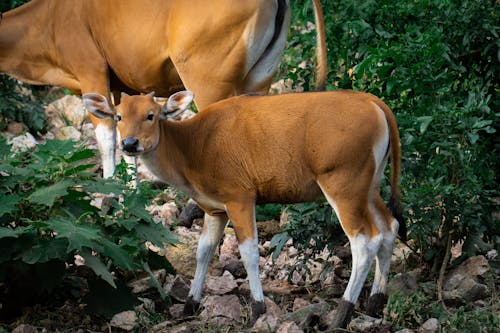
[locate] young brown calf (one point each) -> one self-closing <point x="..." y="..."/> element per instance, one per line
<point x="285" y="148"/>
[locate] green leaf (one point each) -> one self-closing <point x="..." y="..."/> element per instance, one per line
<point x="120" y="256"/>
<point x="278" y="242"/>
<point x="46" y="250"/>
<point x="47" y="195"/>
<point x="98" y="267"/>
<point x="156" y="234"/>
<point x="78" y="234"/>
<point x="9" y="203"/>
<point x="14" y="233"/>
<point x="154" y="281"/>
<point x="105" y="186"/>
<point x="424" y="123"/>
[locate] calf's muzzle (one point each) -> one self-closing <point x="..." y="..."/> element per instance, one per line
<point x="130" y="145"/>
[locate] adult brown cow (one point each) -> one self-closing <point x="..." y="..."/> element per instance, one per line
<point x="217" y="48"/>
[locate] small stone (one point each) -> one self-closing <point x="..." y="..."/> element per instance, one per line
<point x="22" y="142"/>
<point x="266" y="323"/>
<point x="177" y="311"/>
<point x="289" y="327"/>
<point x="430" y="326"/>
<point x="227" y="306"/>
<point x="364" y="323"/>
<point x="68" y="133"/>
<point x="125" y="320"/>
<point x="220" y="285"/>
<point x="23" y="328"/>
<point x="299" y="303"/>
<point x="177" y="288"/>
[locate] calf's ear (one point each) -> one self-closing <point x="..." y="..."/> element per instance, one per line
<point x="98" y="105"/>
<point x="176" y="104"/>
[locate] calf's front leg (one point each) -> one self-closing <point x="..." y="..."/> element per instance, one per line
<point x="213" y="229"/>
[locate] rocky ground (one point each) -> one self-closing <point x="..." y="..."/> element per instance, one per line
<point x="297" y="301"/>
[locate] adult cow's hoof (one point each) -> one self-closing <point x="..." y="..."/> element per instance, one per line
<point x="344" y="314"/>
<point x="190" y="212"/>
<point x="191" y="307"/>
<point x="375" y="305"/>
<point x="258" y="308"/>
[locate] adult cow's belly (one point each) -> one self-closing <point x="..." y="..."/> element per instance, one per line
<point x="158" y="75"/>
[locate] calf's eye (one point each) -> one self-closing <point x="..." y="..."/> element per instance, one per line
<point x="118" y="117"/>
<point x="150" y="116"/>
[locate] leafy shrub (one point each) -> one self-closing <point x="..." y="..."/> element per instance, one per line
<point x="18" y="103"/>
<point x="413" y="310"/>
<point x="47" y="217"/>
<point x="435" y="64"/>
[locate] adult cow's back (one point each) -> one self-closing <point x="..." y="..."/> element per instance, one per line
<point x="216" y="48"/>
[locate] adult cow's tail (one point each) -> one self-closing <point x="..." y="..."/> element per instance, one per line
<point x="321" y="60"/>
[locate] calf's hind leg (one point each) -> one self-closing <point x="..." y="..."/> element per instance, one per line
<point x="378" y="294"/>
<point x="365" y="240"/>
<point x="242" y="214"/>
<point x="213" y="229"/>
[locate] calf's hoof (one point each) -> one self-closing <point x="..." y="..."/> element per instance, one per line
<point x="375" y="305"/>
<point x="344" y="314"/>
<point x="258" y="308"/>
<point x="191" y="306"/>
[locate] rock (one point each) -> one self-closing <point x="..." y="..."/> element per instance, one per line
<point x="164" y="326"/>
<point x="68" y="133"/>
<point x="308" y="314"/>
<point x="473" y="267"/>
<point x="67" y="110"/>
<point x="177" y="311"/>
<point x="233" y="265"/>
<point x="176" y="287"/>
<point x="183" y="256"/>
<point x="364" y="323"/>
<point x="22" y="142"/>
<point x="23" y="328"/>
<point x="142" y="284"/>
<point x="289" y="327"/>
<point x="403" y="283"/>
<point x="405" y="330"/>
<point x="230" y="243"/>
<point x="430" y="326"/>
<point x="267" y="229"/>
<point x="272" y="308"/>
<point x="266" y="323"/>
<point x="220" y="285"/>
<point x="299" y="303"/>
<point x="125" y="320"/>
<point x="462" y="289"/>
<point x="167" y="328"/>
<point x="15" y="129"/>
<point x="461" y="284"/>
<point x="166" y="213"/>
<point x="147" y="304"/>
<point x="227" y="306"/>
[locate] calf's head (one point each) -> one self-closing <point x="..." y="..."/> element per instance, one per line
<point x="138" y="117"/>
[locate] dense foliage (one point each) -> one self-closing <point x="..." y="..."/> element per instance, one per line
<point x="435" y="63"/>
<point x="49" y="215"/>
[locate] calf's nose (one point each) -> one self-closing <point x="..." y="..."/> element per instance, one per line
<point x="130" y="144"/>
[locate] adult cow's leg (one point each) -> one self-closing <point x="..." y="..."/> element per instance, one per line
<point x="242" y="214"/>
<point x="213" y="229"/>
<point x="106" y="140"/>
